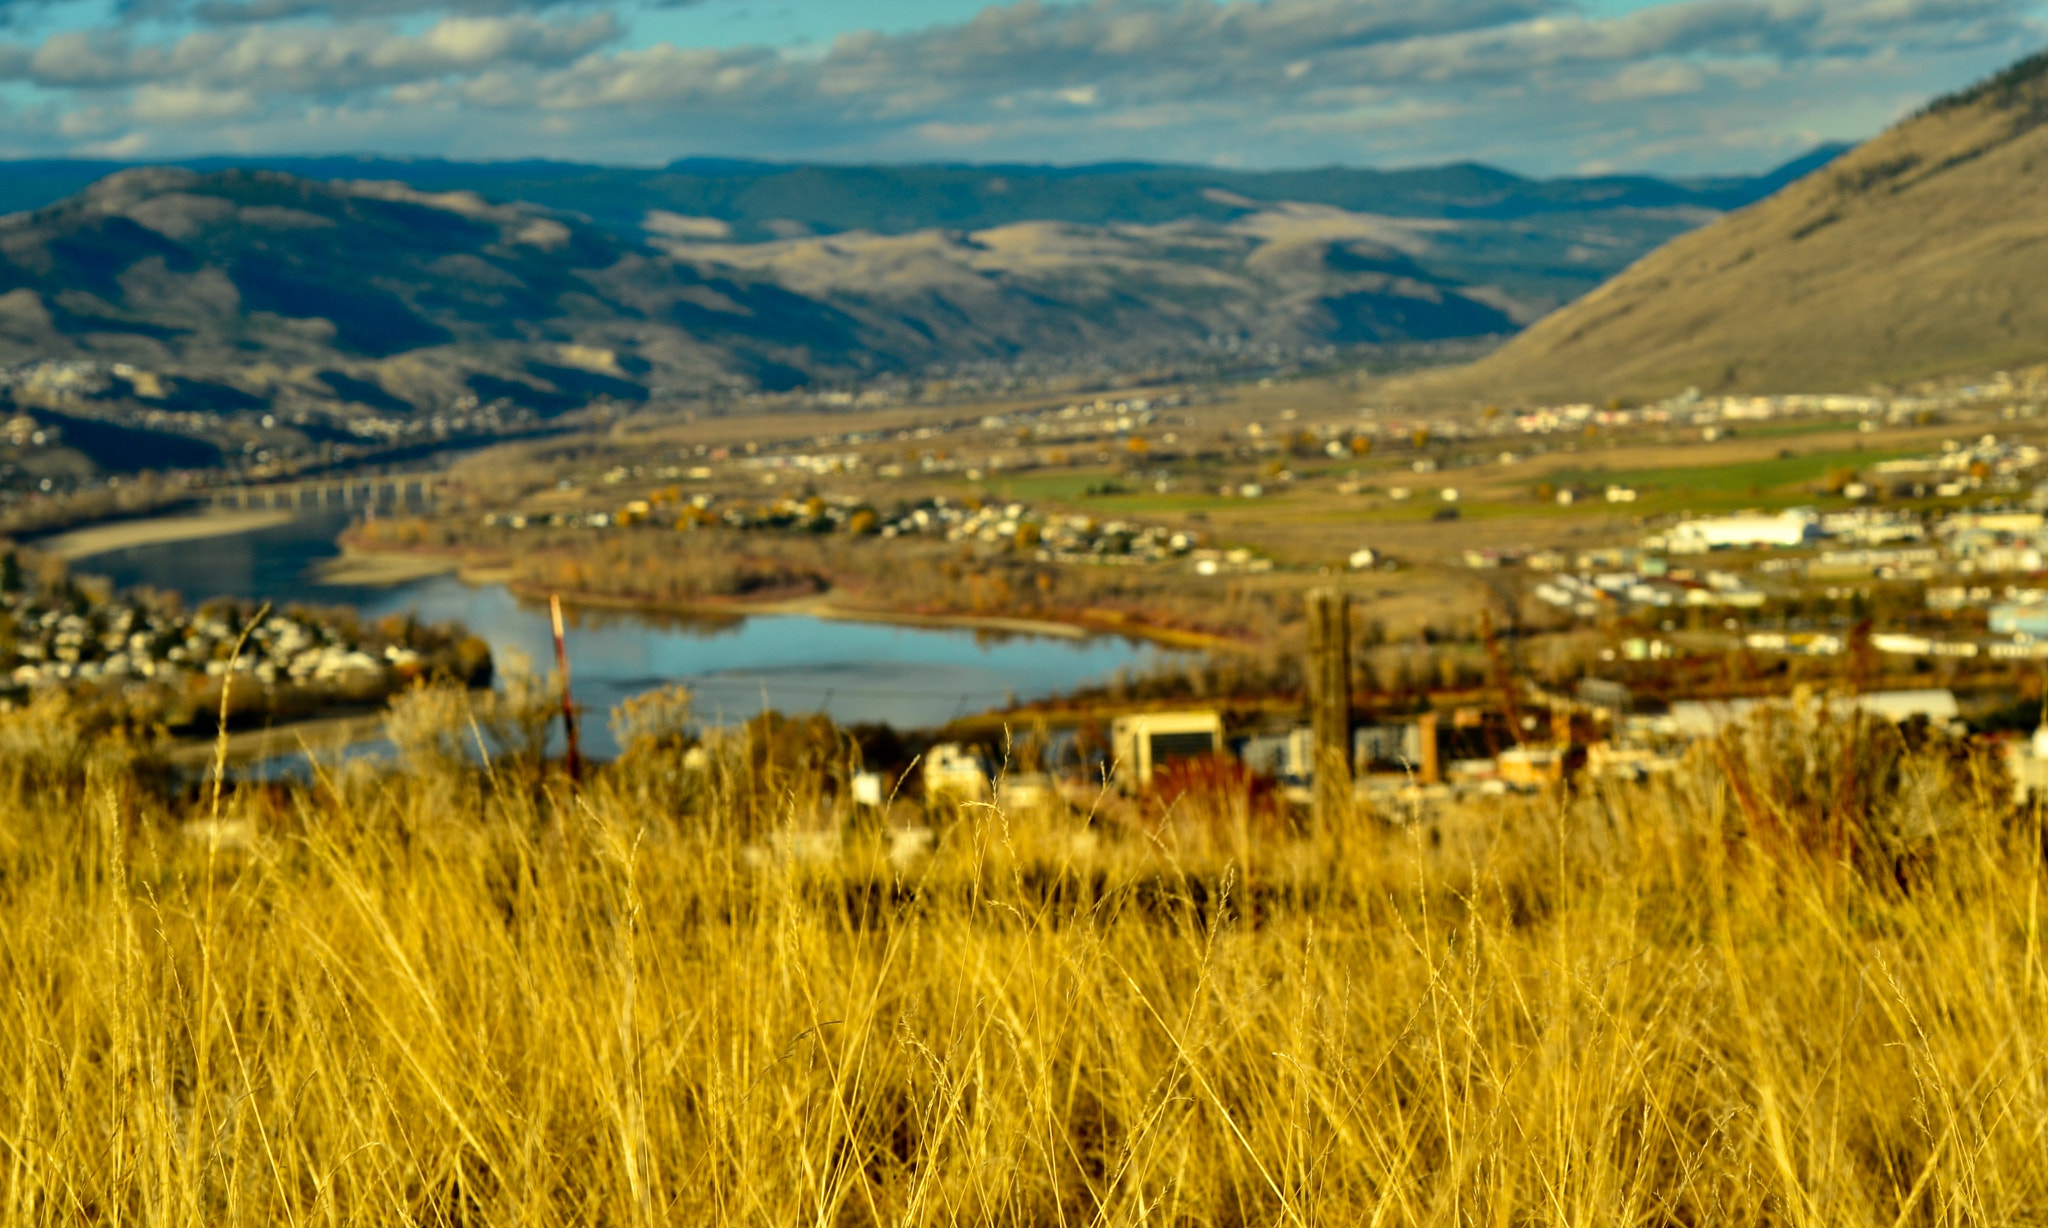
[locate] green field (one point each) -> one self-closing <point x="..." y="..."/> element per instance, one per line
<point x="1070" y="490"/>
<point x="1750" y="478"/>
<point x="1768" y="484"/>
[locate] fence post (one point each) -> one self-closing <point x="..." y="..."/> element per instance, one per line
<point x="1329" y="690"/>
<point x="574" y="758"/>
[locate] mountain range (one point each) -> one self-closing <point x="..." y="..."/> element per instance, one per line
<point x="1919" y="254"/>
<point x="764" y="200"/>
<point x="342" y="287"/>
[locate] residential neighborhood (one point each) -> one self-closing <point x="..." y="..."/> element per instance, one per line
<point x="63" y="634"/>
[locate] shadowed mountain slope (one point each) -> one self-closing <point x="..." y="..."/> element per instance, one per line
<point x="271" y="288"/>
<point x="541" y="286"/>
<point x="1919" y="254"/>
<point x="1536" y="243"/>
<point x="272" y="283"/>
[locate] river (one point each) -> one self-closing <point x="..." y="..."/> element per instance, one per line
<point x="909" y="677"/>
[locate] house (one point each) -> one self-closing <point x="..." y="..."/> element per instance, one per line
<point x="956" y="772"/>
<point x="1392" y="745"/>
<point x="1147" y="741"/>
<point x="1283" y="756"/>
<point x="1530" y="767"/>
<point x="2027" y="763"/>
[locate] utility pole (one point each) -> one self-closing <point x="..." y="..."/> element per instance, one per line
<point x="1501" y="676"/>
<point x="1329" y="693"/>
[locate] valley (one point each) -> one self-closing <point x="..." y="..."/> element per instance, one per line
<point x="1194" y="518"/>
<point x="1144" y="405"/>
<point x="268" y="317"/>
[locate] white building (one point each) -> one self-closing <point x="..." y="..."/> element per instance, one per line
<point x="1745" y="532"/>
<point x="1703" y="718"/>
<point x="1146" y="741"/>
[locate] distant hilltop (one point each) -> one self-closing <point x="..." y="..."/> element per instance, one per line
<point x="1917" y="255"/>
<point x="749" y="201"/>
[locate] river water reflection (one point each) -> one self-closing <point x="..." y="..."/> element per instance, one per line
<point x="909" y="677"/>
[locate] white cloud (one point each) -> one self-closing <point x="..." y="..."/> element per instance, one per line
<point x="1539" y="84"/>
<point x="181" y="104"/>
<point x="1649" y="79"/>
<point x="288" y="60"/>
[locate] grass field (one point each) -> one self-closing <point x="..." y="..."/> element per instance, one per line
<point x="1493" y="492"/>
<point x="1747" y="479"/>
<point x="1782" y="988"/>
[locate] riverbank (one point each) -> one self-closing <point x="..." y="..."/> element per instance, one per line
<point x="373" y="567"/>
<point x="822" y="606"/>
<point x="157" y="531"/>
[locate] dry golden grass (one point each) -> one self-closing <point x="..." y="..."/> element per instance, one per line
<point x="1761" y="993"/>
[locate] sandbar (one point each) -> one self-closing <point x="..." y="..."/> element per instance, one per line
<point x="157" y="531"/>
<point x="380" y="569"/>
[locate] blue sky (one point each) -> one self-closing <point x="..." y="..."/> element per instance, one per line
<point x="1538" y="86"/>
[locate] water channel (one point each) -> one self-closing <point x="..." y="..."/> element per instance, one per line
<point x="909" y="677"/>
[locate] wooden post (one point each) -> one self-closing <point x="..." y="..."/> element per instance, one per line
<point x="1430" y="770"/>
<point x="1329" y="691"/>
<point x="574" y="758"/>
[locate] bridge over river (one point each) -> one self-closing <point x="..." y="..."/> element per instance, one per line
<point x="402" y="490"/>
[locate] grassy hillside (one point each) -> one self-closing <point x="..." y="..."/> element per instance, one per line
<point x="265" y="284"/>
<point x="977" y="263"/>
<point x="491" y="295"/>
<point x="1786" y="987"/>
<point x="1918" y="254"/>
<point x="274" y="290"/>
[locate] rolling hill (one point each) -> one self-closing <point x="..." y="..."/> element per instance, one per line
<point x="1534" y="242"/>
<point x="249" y="288"/>
<point x="366" y="288"/>
<point x="1918" y="254"/>
<point x="256" y="285"/>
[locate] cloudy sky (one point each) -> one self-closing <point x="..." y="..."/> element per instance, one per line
<point x="1539" y="86"/>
